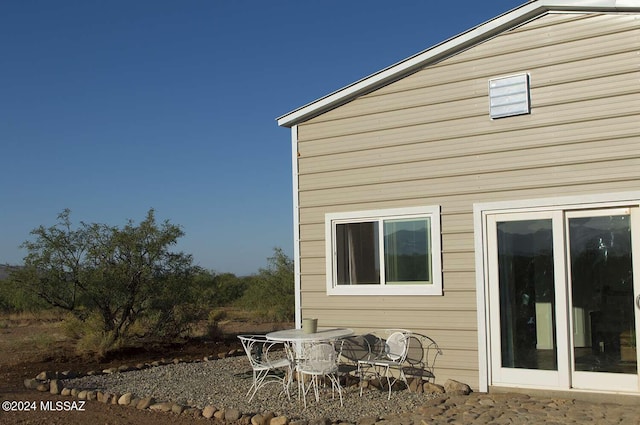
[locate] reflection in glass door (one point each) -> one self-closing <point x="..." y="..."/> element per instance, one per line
<point x="602" y="294"/>
<point x="562" y="309"/>
<point x="527" y="299"/>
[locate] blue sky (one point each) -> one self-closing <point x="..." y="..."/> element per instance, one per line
<point x="110" y="108"/>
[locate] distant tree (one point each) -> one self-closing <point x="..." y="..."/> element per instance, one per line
<point x="218" y="289"/>
<point x="270" y="293"/>
<point x="123" y="275"/>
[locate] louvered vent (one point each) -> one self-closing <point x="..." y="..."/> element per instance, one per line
<point x="509" y="96"/>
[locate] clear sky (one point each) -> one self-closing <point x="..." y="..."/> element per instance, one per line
<point x="110" y="108"/>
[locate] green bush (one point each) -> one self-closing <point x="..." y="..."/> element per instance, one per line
<point x="270" y="293"/>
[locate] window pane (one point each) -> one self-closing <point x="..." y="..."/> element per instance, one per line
<point x="357" y="255"/>
<point x="406" y="251"/>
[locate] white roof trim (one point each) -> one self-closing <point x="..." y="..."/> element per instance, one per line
<point x="449" y="47"/>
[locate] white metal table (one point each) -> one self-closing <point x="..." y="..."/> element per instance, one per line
<point x="297" y="335"/>
<point x="297" y="339"/>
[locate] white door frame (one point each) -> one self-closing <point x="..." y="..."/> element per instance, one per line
<point x="480" y="213"/>
<point x="530" y="377"/>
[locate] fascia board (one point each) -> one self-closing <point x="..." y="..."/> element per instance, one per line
<point x="450" y="47"/>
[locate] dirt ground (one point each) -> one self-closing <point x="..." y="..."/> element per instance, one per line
<point x="29" y="347"/>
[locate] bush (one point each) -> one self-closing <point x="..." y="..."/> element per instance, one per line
<point x="270" y="294"/>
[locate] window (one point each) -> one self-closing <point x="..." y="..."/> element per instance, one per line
<point x="509" y="96"/>
<point x="384" y="252"/>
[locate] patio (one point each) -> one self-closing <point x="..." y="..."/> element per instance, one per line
<point x="224" y="383"/>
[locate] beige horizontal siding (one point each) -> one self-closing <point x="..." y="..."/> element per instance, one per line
<point x="455" y="302"/>
<point x="551" y="176"/>
<point x="427" y="139"/>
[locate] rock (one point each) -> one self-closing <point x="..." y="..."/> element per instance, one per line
<point x="279" y="420"/>
<point x="125" y="399"/>
<point x="43" y="387"/>
<point x="74" y="392"/>
<point x="68" y="374"/>
<point x="162" y="407"/>
<point x="320" y="421"/>
<point x="232" y="415"/>
<point x="44" y="376"/>
<point x="66" y="392"/>
<point x="82" y="395"/>
<point x="124" y="368"/>
<point x="258" y="420"/>
<point x="431" y="388"/>
<point x="115" y="398"/>
<point x="267" y="416"/>
<point x="219" y="414"/>
<point x="208" y="412"/>
<point x="194" y="412"/>
<point x="110" y="370"/>
<point x="455" y="387"/>
<point x="177" y="408"/>
<point x="145" y="403"/>
<point x="91" y="396"/>
<point x="31" y="383"/>
<point x="134" y="401"/>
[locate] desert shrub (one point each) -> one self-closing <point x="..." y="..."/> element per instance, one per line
<point x="18" y="298"/>
<point x="270" y="293"/>
<point x="111" y="278"/>
<point x="91" y="339"/>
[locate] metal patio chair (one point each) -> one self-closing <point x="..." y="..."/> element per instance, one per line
<point x="388" y="363"/>
<point x="318" y="364"/>
<point x="269" y="362"/>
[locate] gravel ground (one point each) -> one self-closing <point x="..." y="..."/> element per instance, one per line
<point x="224" y="383"/>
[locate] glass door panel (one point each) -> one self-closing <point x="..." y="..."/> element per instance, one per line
<point x="527" y="299"/>
<point x="602" y="297"/>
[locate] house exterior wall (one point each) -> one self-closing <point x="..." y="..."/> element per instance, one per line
<point x="427" y="139"/>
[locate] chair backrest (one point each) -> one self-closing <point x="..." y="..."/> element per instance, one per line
<point x="397" y="346"/>
<point x="355" y="348"/>
<point x="320" y="358"/>
<point x="253" y="346"/>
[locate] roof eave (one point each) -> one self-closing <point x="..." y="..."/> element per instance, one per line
<point x="449" y="47"/>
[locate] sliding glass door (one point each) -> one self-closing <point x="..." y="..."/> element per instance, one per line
<point x="562" y="299"/>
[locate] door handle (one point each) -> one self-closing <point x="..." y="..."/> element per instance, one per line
<point x="638" y="301"/>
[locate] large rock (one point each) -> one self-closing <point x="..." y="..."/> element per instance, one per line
<point x="177" y="408"/>
<point x="232" y="415"/>
<point x="220" y="414"/>
<point x="163" y="407"/>
<point x="456" y="388"/>
<point x="258" y="420"/>
<point x="279" y="420"/>
<point x="125" y="399"/>
<point x="208" y="412"/>
<point x="431" y="388"/>
<point x="145" y="403"/>
<point x="31" y="384"/>
<point x="55" y="386"/>
<point x="43" y="376"/>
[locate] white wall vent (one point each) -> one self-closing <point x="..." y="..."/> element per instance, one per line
<point x="509" y="96"/>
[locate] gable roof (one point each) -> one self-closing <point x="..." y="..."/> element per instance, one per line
<point x="450" y="47"/>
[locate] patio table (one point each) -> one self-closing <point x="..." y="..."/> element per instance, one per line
<point x="297" y="335"/>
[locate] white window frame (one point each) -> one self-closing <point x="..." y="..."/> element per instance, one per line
<point x="431" y="212"/>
